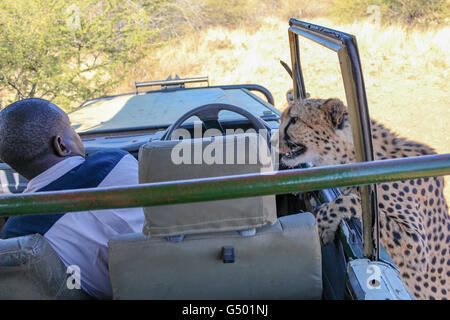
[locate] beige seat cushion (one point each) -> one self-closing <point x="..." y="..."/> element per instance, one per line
<point x="157" y="162"/>
<point x="31" y="270"/>
<point x="282" y="261"/>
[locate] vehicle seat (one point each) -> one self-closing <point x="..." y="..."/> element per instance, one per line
<point x="31" y="270"/>
<point x="222" y="249"/>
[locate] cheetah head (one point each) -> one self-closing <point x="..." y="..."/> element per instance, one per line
<point x="316" y="131"/>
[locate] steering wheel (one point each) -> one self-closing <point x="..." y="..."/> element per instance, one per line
<point x="209" y="115"/>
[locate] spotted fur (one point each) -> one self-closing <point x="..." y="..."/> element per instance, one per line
<point x="413" y="214"/>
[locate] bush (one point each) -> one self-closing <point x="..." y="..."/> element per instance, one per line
<point x="411" y="12"/>
<point x="68" y="51"/>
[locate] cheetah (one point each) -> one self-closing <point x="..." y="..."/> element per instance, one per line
<point x="413" y="214"/>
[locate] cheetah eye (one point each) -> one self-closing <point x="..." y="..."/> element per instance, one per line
<point x="294" y="120"/>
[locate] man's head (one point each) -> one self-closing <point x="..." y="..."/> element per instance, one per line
<point x="34" y="135"/>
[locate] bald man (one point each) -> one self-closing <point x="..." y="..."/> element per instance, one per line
<point x="37" y="140"/>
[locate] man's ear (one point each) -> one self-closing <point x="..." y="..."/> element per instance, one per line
<point x="335" y="111"/>
<point x="60" y="147"/>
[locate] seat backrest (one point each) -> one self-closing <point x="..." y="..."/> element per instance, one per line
<point x="223" y="249"/>
<point x="191" y="158"/>
<point x="31" y="270"/>
<point x="282" y="261"/>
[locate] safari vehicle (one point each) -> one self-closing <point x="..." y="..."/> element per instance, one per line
<point x="280" y="260"/>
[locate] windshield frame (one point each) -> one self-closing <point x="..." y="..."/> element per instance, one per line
<point x="346" y="47"/>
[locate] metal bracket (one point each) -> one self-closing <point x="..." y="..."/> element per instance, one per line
<point x="170" y="83"/>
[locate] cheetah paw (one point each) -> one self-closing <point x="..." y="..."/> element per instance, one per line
<point x="327" y="232"/>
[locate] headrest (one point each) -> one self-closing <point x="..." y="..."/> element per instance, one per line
<point x="201" y="158"/>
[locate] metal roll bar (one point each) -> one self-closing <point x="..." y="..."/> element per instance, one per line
<point x="228" y="187"/>
<point x="169" y="82"/>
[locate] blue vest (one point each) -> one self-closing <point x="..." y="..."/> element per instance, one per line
<point x="89" y="174"/>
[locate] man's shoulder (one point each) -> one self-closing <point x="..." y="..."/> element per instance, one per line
<point x="91" y="172"/>
<point x="110" y="158"/>
<point x="108" y="155"/>
<point x="123" y="172"/>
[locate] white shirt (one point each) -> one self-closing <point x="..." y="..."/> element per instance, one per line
<point x="81" y="238"/>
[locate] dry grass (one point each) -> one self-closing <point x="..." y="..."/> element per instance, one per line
<point x="406" y="71"/>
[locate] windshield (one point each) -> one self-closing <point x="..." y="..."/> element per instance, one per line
<point x="161" y="108"/>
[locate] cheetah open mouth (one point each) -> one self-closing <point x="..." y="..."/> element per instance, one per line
<point x="295" y="152"/>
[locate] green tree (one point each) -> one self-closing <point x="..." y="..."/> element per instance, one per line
<point x="69" y="51"/>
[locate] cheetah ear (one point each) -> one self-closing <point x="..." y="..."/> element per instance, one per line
<point x="290" y="92"/>
<point x="287" y="68"/>
<point x="290" y="95"/>
<point x="335" y="111"/>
